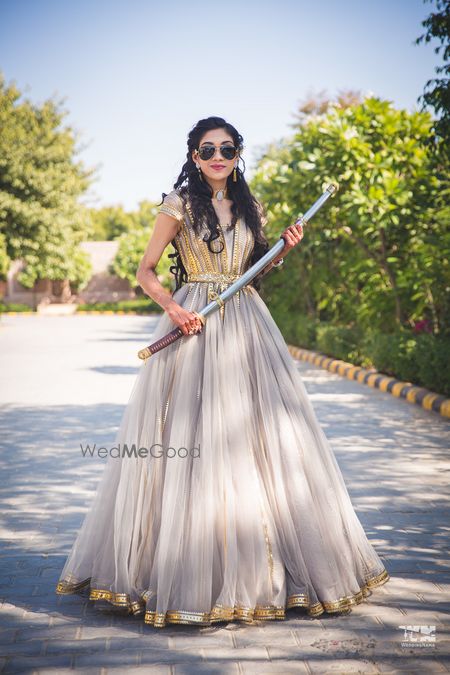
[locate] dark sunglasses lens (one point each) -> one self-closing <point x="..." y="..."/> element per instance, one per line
<point x="206" y="152"/>
<point x="228" y="151"/>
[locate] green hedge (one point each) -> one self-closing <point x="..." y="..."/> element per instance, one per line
<point x="14" y="307"/>
<point x="423" y="358"/>
<point x="342" y="342"/>
<point x="141" y="305"/>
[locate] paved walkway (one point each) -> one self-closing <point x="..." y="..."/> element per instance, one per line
<point x="66" y="381"/>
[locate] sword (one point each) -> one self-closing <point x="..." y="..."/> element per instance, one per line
<point x="243" y="280"/>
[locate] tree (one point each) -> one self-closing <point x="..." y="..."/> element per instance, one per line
<point x="376" y="256"/>
<point x="40" y="183"/>
<point x="109" y="222"/>
<point x="133" y="243"/>
<point x="437" y="91"/>
<point x="4" y="258"/>
<point x="129" y="253"/>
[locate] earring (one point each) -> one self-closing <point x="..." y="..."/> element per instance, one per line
<point x="199" y="170"/>
<point x="234" y="173"/>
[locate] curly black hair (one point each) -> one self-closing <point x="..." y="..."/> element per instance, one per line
<point x="199" y="194"/>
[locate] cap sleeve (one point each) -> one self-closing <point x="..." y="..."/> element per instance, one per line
<point x="173" y="206"/>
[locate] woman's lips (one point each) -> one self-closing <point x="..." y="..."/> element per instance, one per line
<point x="217" y="167"/>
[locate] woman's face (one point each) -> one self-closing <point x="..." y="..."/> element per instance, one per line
<point x="218" y="168"/>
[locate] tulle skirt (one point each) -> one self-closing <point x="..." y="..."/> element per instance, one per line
<point x="221" y="498"/>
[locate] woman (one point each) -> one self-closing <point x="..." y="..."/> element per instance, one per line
<point x="239" y="511"/>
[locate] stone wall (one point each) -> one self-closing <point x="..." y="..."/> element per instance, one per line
<point x="102" y="287"/>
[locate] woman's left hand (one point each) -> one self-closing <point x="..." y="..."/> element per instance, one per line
<point x="292" y="236"/>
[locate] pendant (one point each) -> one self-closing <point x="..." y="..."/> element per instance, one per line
<point x="219" y="195"/>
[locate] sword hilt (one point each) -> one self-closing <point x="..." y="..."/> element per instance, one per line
<point x="332" y="188"/>
<point x="168" y="339"/>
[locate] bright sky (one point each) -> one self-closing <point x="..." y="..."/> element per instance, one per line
<point x="136" y="75"/>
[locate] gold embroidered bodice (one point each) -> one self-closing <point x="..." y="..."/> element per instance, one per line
<point x="201" y="264"/>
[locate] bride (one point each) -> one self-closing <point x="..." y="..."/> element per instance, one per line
<point x="228" y="503"/>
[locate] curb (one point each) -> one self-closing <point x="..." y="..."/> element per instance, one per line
<point x="412" y="393"/>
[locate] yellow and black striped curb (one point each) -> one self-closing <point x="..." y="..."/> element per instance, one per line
<point x="411" y="392"/>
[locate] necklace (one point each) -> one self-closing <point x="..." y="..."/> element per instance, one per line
<point x="220" y="194"/>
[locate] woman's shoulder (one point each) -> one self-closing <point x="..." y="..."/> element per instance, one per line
<point x="173" y="204"/>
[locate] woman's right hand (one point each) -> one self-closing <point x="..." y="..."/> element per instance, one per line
<point x="184" y="319"/>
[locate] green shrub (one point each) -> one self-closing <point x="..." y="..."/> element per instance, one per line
<point x="14" y="307"/>
<point x="297" y="329"/>
<point x="142" y="305"/>
<point x="342" y="342"/>
<point x="392" y="354"/>
<point x="423" y="358"/>
<point x="305" y="330"/>
<point x="432" y="357"/>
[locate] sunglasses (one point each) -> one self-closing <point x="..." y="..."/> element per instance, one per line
<point x="205" y="152"/>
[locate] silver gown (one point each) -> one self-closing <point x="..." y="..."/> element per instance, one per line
<point x="238" y="510"/>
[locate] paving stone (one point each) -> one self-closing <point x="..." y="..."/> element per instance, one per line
<point x="266" y="637"/>
<point x="70" y="671"/>
<point x="26" y="648"/>
<point x="76" y="646"/>
<point x="30" y="664"/>
<point x="8" y="635"/>
<point x="193" y="654"/>
<point x="213" y="639"/>
<point x="278" y="667"/>
<point x="158" y="669"/>
<point x="68" y="620"/>
<point x="329" y="666"/>
<point x="356" y="622"/>
<point x="226" y="668"/>
<point x="89" y="632"/>
<point x="31" y="618"/>
<point x="257" y="652"/>
<point x="67" y="632"/>
<point x="138" y="643"/>
<point x="426" y="665"/>
<point x="119" y="659"/>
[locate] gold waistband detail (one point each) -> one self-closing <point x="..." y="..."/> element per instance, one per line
<point x="209" y="277"/>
